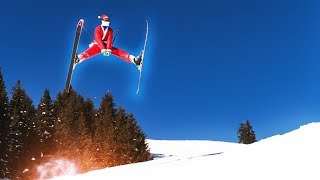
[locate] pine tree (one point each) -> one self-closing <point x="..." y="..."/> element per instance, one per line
<point x="61" y="126"/>
<point x="89" y="113"/>
<point x="140" y="151"/>
<point x="4" y="128"/>
<point x="102" y="139"/>
<point x="68" y="108"/>
<point x="246" y="134"/>
<point x="130" y="145"/>
<point x="22" y="131"/>
<point x="45" y="119"/>
<point x="120" y="138"/>
<point x="83" y="145"/>
<point x="72" y="129"/>
<point x="58" y="103"/>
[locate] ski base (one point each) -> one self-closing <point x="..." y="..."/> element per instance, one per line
<point x="74" y="54"/>
<point x="143" y="53"/>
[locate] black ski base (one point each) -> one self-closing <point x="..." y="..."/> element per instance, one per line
<point x="74" y="54"/>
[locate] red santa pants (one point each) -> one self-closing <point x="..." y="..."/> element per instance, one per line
<point x="94" y="50"/>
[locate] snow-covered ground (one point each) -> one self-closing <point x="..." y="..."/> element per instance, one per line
<point x="295" y="155"/>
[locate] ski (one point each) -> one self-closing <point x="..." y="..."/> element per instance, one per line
<point x="74" y="54"/>
<point x="143" y="53"/>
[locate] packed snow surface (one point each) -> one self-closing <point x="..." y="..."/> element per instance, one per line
<point x="294" y="155"/>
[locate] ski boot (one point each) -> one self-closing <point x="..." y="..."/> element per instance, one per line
<point x="138" y="60"/>
<point x="76" y="61"/>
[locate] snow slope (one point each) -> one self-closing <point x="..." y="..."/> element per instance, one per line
<point x="295" y="155"/>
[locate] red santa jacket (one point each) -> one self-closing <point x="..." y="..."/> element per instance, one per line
<point x="103" y="37"/>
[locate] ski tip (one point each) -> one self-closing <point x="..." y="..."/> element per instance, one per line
<point x="81" y="22"/>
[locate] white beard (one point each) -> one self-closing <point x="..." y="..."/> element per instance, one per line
<point x="105" y="23"/>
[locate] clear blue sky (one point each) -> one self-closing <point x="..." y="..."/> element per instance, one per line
<point x="209" y="65"/>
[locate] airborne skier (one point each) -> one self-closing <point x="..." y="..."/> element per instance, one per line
<point x="103" y="37"/>
<point x="102" y="43"/>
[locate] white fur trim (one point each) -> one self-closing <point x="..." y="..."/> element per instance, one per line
<point x="104" y="32"/>
<point x="99" y="17"/>
<point x="105" y="23"/>
<point x="93" y="43"/>
<point x="131" y="58"/>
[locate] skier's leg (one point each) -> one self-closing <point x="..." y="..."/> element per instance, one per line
<point x="122" y="54"/>
<point x="90" y="52"/>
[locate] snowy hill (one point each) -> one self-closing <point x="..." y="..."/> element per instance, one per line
<point x="295" y="155"/>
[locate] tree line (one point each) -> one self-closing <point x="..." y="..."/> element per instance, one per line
<point x="68" y="127"/>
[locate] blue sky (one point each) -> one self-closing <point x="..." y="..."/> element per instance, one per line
<point x="209" y="65"/>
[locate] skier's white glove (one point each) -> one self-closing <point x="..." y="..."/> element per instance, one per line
<point x="106" y="52"/>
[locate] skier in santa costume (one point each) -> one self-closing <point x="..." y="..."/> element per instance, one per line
<point x="103" y="36"/>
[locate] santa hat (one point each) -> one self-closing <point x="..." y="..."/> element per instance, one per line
<point x="103" y="16"/>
